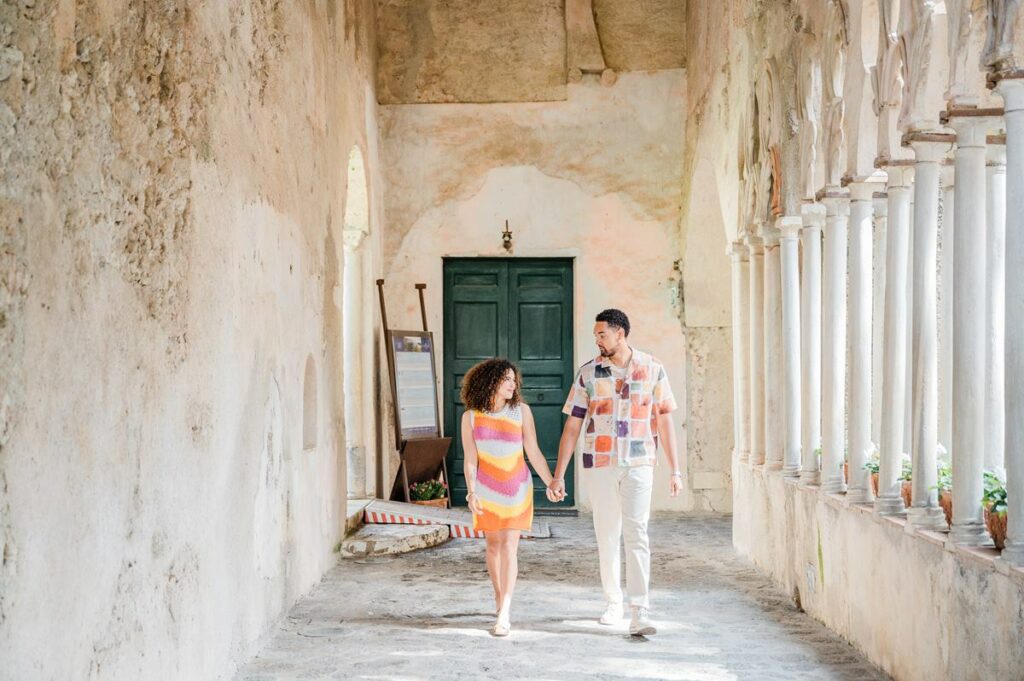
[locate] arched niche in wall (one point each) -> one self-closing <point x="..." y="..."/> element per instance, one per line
<point x="357" y="324"/>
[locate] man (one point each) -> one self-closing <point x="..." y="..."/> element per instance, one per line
<point x="624" y="401"/>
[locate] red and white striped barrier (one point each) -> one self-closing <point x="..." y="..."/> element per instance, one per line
<point x="458" y="519"/>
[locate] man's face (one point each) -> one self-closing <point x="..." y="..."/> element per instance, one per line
<point x="608" y="338"/>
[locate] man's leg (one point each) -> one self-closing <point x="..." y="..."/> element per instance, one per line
<point x="636" y="511"/>
<point x="604" y="497"/>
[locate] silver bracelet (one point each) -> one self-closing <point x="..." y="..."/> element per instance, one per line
<point x="676" y="474"/>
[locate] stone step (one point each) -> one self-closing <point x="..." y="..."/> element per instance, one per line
<point x="388" y="540"/>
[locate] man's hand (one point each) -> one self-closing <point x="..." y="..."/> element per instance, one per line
<point x="675" y="484"/>
<point x="556" y="490"/>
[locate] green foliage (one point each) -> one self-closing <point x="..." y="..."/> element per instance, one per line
<point x="994" y="495"/>
<point x="427" y="491"/>
<point x="945" y="480"/>
<point x="905" y="468"/>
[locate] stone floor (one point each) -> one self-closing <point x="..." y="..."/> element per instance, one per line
<point x="425" y="615"/>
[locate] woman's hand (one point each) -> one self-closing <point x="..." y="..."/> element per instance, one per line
<point x="473" y="501"/>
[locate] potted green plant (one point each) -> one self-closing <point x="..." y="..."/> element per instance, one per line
<point x="993" y="500"/>
<point x="872" y="467"/>
<point x="906" y="474"/>
<point x="945" y="487"/>
<point x="429" y="493"/>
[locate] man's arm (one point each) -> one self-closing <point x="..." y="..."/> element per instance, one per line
<point x="566" y="446"/>
<point x="667" y="435"/>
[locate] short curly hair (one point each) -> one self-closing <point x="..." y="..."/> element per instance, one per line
<point x="614" y="318"/>
<point x="480" y="384"/>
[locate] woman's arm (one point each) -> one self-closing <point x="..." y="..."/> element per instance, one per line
<point x="533" y="453"/>
<point x="469" y="463"/>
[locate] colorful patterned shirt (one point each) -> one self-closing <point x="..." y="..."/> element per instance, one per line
<point x="621" y="414"/>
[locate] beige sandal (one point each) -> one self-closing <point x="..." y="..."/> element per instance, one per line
<point x="501" y="628"/>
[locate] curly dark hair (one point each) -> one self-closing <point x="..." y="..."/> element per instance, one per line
<point x="480" y="384"/>
<point x="615" y="318"/>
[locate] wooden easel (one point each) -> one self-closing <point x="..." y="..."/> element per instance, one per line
<point x="420" y="458"/>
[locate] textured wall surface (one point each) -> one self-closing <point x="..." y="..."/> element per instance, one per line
<point x="913" y="607"/>
<point x="596" y="178"/>
<point x="470" y="51"/>
<point x="642" y="36"/>
<point x="171" y="186"/>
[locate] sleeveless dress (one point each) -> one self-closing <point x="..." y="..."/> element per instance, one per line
<point x="504" y="485"/>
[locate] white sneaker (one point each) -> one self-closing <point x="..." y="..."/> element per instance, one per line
<point x="612" y="614"/>
<point x="640" y="624"/>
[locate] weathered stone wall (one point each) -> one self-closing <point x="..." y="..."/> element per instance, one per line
<point x="596" y="178"/>
<point x="915" y="608"/>
<point x="171" y="191"/>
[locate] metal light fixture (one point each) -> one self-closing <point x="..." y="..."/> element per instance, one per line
<point x="506" y="238"/>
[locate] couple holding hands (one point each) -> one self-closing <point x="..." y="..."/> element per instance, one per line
<point x="622" y="402"/>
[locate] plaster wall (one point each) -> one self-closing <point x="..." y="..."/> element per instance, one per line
<point x="917" y="609"/>
<point x="595" y="178"/>
<point x="172" y="183"/>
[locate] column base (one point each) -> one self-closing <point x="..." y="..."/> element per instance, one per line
<point x="859" y="495"/>
<point x="833" y="485"/>
<point x="810" y="478"/>
<point x="790" y="471"/>
<point x="744" y="457"/>
<point x="1013" y="554"/>
<point x="773" y="466"/>
<point x="890" y="505"/>
<point x="969" y="534"/>
<point x="927" y="518"/>
<point x="756" y="460"/>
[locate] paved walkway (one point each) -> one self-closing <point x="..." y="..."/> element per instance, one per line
<point x="425" y="615"/>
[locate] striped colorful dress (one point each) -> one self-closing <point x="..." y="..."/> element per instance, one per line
<point x="503" y="481"/>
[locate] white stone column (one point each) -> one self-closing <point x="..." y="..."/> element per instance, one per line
<point x="995" y="311"/>
<point x="1012" y="91"/>
<point x="947" y="180"/>
<point x="929" y="150"/>
<point x="813" y="217"/>
<point x="790" y="226"/>
<point x="881" y="206"/>
<point x="774" y="423"/>
<point x="740" y="348"/>
<point x="969" y="330"/>
<point x="859" y="428"/>
<point x="833" y="365"/>
<point x="894" y="373"/>
<point x="756" y="344"/>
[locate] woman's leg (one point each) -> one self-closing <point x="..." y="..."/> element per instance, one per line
<point x="509" y="569"/>
<point x="494" y="565"/>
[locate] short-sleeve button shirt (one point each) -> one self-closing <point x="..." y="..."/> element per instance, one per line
<point x="620" y="413"/>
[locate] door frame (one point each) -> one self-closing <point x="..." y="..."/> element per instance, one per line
<point x="568" y="256"/>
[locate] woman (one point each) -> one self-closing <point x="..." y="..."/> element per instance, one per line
<point x="496" y="428"/>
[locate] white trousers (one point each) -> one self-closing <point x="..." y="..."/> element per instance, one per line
<point x="621" y="498"/>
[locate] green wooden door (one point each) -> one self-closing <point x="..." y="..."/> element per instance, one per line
<point x="515" y="308"/>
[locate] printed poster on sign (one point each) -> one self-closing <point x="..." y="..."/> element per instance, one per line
<point x="415" y="384"/>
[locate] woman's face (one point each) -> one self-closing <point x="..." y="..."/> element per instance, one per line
<point x="507" y="387"/>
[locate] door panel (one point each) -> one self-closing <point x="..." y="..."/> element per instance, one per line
<point x="522" y="310"/>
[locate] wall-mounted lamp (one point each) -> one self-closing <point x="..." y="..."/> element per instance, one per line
<point x="506" y="238"/>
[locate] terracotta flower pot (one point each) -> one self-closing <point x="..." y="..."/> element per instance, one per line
<point x="874" y="484"/>
<point x="996" y="524"/>
<point x="905" y="489"/>
<point x="846" y="472"/>
<point x="439" y="503"/>
<point x="946" y="502"/>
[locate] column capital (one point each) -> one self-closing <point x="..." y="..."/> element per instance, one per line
<point x="755" y="245"/>
<point x="770" y="237"/>
<point x="837" y="203"/>
<point x="880" y="200"/>
<point x="864" y="190"/>
<point x="1012" y="92"/>
<point x="899" y="177"/>
<point x="738" y="250"/>
<point x="972" y="125"/>
<point x="812" y="215"/>
<point x="947" y="177"/>
<point x="995" y="154"/>
<point x="789" y="226"/>
<point x="930" y="147"/>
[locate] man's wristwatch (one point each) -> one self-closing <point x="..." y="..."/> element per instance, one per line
<point x="676" y="474"/>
